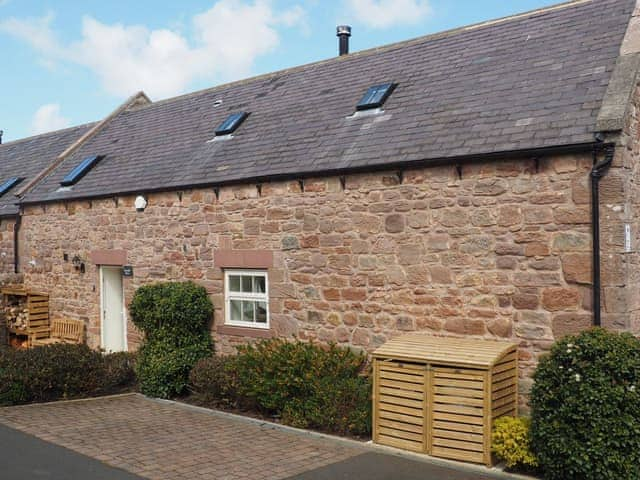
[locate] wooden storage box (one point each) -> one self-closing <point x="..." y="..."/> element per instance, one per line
<point x="440" y="396"/>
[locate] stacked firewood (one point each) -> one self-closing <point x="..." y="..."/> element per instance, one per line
<point x="17" y="316"/>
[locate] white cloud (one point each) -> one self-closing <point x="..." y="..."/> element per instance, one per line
<point x="37" y="31"/>
<point x="222" y="43"/>
<point x="48" y="118"/>
<point x="388" y="13"/>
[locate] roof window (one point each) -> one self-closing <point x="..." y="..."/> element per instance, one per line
<point x="9" y="184"/>
<point x="232" y="122"/>
<point x="80" y="170"/>
<point x="375" y="96"/>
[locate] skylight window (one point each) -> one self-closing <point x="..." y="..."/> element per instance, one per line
<point x="9" y="184"/>
<point x="232" y="122"/>
<point x="375" y="96"/>
<point x="80" y="170"/>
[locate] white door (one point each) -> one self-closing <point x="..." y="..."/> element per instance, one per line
<point x="113" y="317"/>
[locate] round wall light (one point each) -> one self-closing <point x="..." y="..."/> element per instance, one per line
<point x="140" y="203"/>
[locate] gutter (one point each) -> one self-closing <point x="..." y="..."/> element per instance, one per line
<point x="598" y="171"/>
<point x="334" y="172"/>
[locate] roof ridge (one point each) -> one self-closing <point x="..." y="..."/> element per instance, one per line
<point x="44" y="134"/>
<point x="133" y="101"/>
<point x="374" y="50"/>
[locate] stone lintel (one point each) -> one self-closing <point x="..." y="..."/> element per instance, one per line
<point x="243" y="259"/>
<point x="109" y="257"/>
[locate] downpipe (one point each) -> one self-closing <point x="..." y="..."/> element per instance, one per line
<point x="16" y="244"/>
<point x="598" y="171"/>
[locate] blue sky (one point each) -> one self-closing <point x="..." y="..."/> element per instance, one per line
<point x="70" y="62"/>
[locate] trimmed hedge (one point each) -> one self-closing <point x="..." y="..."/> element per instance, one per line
<point x="59" y="372"/>
<point x="308" y="386"/>
<point x="586" y="408"/>
<point x="176" y="310"/>
<point x="174" y="317"/>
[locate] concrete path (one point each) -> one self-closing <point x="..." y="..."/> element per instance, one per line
<point x="165" y="440"/>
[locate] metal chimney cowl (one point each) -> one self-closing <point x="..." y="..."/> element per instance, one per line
<point x="343" y="32"/>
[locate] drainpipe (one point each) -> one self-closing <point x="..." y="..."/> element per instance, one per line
<point x="598" y="171"/>
<point x="16" y="233"/>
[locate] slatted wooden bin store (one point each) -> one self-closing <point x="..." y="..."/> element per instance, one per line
<point x="440" y="396"/>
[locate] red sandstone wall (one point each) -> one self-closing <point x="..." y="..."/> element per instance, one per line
<point x="628" y="163"/>
<point x="6" y="249"/>
<point x="502" y="252"/>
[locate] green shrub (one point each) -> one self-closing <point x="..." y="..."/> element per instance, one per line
<point x="275" y="371"/>
<point x="60" y="371"/>
<point x="163" y="367"/>
<point x="586" y="408"/>
<point x="307" y="385"/>
<point x="511" y="442"/>
<point x="174" y="317"/>
<point x="120" y="369"/>
<point x="213" y="382"/>
<point x="339" y="405"/>
<point x="176" y="309"/>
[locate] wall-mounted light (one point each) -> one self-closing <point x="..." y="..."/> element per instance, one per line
<point x="140" y="203"/>
<point x="78" y="263"/>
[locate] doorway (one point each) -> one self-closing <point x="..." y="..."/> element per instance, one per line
<point x="113" y="320"/>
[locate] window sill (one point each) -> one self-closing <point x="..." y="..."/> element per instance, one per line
<point x="244" y="331"/>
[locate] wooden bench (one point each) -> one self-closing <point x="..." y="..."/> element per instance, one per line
<point x="61" y="331"/>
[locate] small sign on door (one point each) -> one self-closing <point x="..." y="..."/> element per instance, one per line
<point x="127" y="271"/>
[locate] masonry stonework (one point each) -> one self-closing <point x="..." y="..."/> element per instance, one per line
<point x="7" y="226"/>
<point x="493" y="250"/>
<point x="628" y="164"/>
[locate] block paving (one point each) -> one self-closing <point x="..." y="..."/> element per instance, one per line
<point x="160" y="440"/>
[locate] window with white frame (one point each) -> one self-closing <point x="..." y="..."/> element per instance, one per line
<point x="246" y="298"/>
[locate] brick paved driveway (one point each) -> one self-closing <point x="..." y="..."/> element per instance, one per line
<point x="162" y="440"/>
<point x="166" y="441"/>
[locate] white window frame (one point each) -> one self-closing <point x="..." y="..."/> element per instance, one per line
<point x="260" y="297"/>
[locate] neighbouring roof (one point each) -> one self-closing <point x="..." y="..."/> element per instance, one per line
<point x="532" y="81"/>
<point x="27" y="157"/>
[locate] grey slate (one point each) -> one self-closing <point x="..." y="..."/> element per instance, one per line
<point x="29" y="156"/>
<point x="528" y="82"/>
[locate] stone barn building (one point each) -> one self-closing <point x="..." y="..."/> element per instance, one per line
<point x="452" y="184"/>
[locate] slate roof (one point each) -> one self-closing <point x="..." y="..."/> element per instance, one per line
<point x="27" y="157"/>
<point x="528" y="82"/>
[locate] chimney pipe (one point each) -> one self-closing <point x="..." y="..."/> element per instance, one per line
<point x="1" y="133"/>
<point x="343" y="33"/>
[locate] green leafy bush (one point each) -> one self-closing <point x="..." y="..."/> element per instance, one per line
<point x="307" y="385"/>
<point x="175" y="309"/>
<point x="511" y="442"/>
<point x="61" y="371"/>
<point x="174" y="317"/>
<point x="340" y="405"/>
<point x="586" y="408"/>
<point x="163" y="367"/>
<point x="213" y="382"/>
